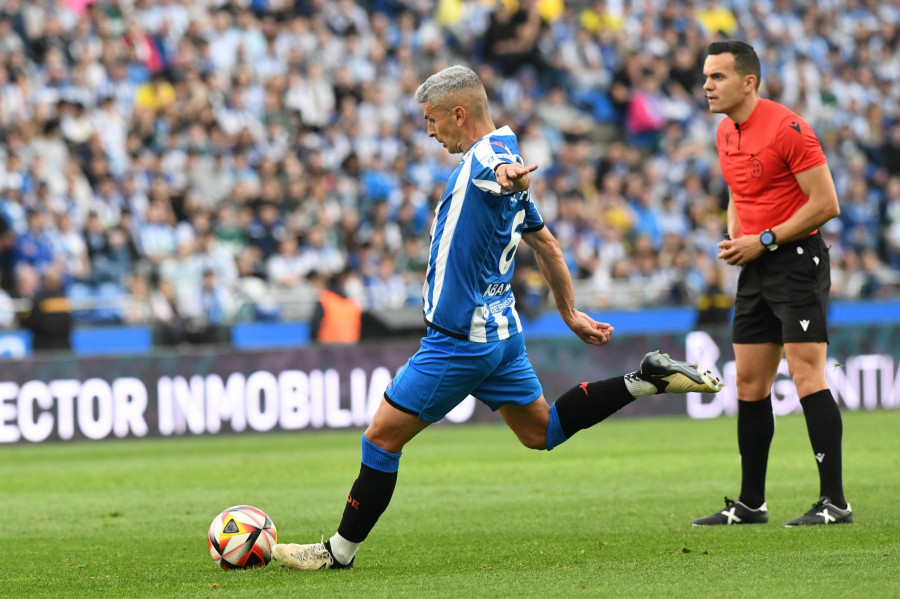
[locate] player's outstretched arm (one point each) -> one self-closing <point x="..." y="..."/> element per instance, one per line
<point x="553" y="268"/>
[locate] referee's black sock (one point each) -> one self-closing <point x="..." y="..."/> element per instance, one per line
<point x="587" y="404"/>
<point x="823" y="422"/>
<point x="756" y="427"/>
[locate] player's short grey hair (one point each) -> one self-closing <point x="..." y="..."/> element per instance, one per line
<point x="450" y="81"/>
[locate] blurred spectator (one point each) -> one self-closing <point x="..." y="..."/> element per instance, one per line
<point x="892" y="211"/>
<point x="319" y="252"/>
<point x="861" y="216"/>
<point x="184" y="273"/>
<point x="511" y="38"/>
<point x="168" y="323"/>
<point x="70" y="249"/>
<point x="50" y="317"/>
<point x="297" y="119"/>
<point x="115" y="263"/>
<point x="94" y="235"/>
<point x="27" y="282"/>
<point x="155" y="95"/>
<point x="287" y="268"/>
<point x="157" y="233"/>
<point x="7" y="310"/>
<point x="267" y="230"/>
<point x="215" y="312"/>
<point x="253" y="298"/>
<point x="714" y="305"/>
<point x="337" y="317"/>
<point x="873" y="280"/>
<point x="35" y="245"/>
<point x="214" y="255"/>
<point x="386" y="288"/>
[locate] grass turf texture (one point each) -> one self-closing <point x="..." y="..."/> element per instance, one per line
<point x="475" y="514"/>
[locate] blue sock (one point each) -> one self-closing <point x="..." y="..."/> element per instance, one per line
<point x="378" y="458"/>
<point x="555" y="434"/>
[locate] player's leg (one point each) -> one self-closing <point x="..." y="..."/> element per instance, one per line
<point x="435" y="380"/>
<point x="539" y="426"/>
<point x="382" y="444"/>
<point x="423" y="391"/>
<point x="587" y="404"/>
<point x="528" y="422"/>
<point x="806" y="362"/>
<point x="369" y="497"/>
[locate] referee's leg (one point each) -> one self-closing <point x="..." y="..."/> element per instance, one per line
<point x="806" y="362"/>
<point x="756" y="367"/>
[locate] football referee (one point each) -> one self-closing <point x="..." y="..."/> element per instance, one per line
<point x="780" y="193"/>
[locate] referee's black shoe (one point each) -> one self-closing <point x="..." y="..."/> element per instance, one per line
<point x="735" y="512"/>
<point x="824" y="512"/>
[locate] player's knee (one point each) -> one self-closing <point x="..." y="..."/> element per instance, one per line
<point x="533" y="439"/>
<point x="383" y="439"/>
<point x="538" y="444"/>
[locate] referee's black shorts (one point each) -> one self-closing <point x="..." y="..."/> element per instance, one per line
<point x="782" y="296"/>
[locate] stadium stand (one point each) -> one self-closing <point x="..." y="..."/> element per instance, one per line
<point x="187" y="165"/>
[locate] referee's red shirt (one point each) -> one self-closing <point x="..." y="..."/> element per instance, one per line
<point x="759" y="160"/>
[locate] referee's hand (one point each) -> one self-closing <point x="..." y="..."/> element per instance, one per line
<point x="741" y="250"/>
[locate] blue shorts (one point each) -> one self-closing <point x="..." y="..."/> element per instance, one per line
<point x="446" y="370"/>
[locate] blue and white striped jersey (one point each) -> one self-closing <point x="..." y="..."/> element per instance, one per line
<point x="474" y="236"/>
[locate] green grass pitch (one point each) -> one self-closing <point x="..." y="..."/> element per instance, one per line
<point x="475" y="515"/>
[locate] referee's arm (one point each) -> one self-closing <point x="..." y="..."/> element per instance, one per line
<point x="821" y="207"/>
<point x="733" y="224"/>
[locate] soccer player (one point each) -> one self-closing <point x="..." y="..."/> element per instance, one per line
<point x="780" y="192"/>
<point x="474" y="343"/>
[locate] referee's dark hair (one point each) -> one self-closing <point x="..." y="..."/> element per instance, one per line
<point x="746" y="61"/>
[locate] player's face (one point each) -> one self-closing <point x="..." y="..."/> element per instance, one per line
<point x="443" y="126"/>
<point x="725" y="88"/>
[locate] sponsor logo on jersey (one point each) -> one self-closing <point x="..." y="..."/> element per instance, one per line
<point x="495" y="289"/>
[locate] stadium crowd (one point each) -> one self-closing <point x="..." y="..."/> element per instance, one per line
<point x="212" y="161"/>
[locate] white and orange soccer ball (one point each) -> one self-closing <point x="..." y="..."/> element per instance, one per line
<point x="242" y="537"/>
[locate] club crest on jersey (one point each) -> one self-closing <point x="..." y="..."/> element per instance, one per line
<point x="495" y="289"/>
<point x="756" y="168"/>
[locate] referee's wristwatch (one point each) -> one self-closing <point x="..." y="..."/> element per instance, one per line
<point x="767" y="238"/>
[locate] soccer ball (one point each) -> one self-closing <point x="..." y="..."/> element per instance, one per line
<point x="242" y="537"/>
